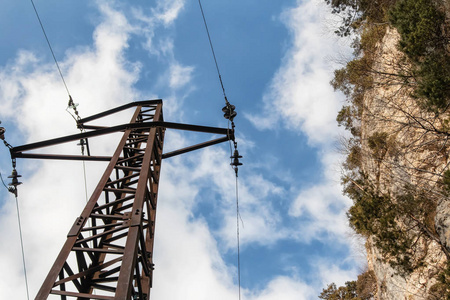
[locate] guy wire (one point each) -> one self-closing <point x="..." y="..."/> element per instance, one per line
<point x="50" y="46"/>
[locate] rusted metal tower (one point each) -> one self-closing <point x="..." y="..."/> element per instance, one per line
<point x="108" y="253"/>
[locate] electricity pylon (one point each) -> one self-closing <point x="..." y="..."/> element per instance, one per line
<point x="108" y="253"/>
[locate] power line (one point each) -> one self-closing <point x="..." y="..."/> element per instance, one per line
<point x="21" y="244"/>
<point x="213" y="53"/>
<point x="13" y="189"/>
<point x="50" y="46"/>
<point x="71" y="103"/>
<point x="229" y="114"/>
<point x="1" y="177"/>
<point x="238" y="238"/>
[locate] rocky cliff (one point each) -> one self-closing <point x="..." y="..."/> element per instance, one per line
<point x="404" y="152"/>
<point x="397" y="170"/>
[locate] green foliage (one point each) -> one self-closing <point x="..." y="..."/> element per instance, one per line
<point x="341" y="81"/>
<point x="423" y="40"/>
<point x="441" y="290"/>
<point x="353" y="160"/>
<point x="355" y="12"/>
<point x="378" y="143"/>
<point x="377" y="215"/>
<point x="446" y="181"/>
<point x="362" y="289"/>
<point x="434" y="82"/>
<point x="348" y="117"/>
<point x="355" y="79"/>
<point x="420" y="26"/>
<point x="346" y="292"/>
<point x="366" y="285"/>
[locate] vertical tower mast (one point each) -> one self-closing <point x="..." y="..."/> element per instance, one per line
<point x="108" y="253"/>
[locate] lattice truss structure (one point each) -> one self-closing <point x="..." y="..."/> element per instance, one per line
<point x="108" y="251"/>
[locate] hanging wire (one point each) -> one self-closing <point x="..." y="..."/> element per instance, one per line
<point x="85" y="182"/>
<point x="50" y="46"/>
<point x="21" y="244"/>
<point x="238" y="237"/>
<point x="12" y="188"/>
<point x="229" y="114"/>
<point x="1" y="177"/>
<point x="71" y="104"/>
<point x="82" y="143"/>
<point x="213" y="53"/>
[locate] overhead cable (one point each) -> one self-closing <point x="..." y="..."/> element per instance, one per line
<point x="212" y="50"/>
<point x="71" y="104"/>
<point x="50" y="46"/>
<point x="229" y="114"/>
<point x="23" y="251"/>
<point x="12" y="188"/>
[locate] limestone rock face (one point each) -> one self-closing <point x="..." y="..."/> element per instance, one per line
<point x="415" y="158"/>
<point x="443" y="223"/>
<point x="395" y="286"/>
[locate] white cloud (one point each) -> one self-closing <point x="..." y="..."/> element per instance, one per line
<point x="285" y="288"/>
<point x="333" y="272"/>
<point x="160" y="19"/>
<point x="180" y="75"/>
<point x="188" y="263"/>
<point x="323" y="204"/>
<point x="262" y="224"/>
<point x="299" y="96"/>
<point x="168" y="11"/>
<point x="164" y="14"/>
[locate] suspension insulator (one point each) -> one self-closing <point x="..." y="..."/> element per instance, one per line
<point x="15" y="182"/>
<point x="235" y="158"/>
<point x="229" y="112"/>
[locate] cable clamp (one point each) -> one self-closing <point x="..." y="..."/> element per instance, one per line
<point x="73" y="106"/>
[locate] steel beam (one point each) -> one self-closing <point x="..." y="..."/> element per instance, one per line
<point x="119" y="128"/>
<point x="117" y="109"/>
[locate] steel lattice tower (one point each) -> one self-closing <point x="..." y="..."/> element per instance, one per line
<point x="108" y="253"/>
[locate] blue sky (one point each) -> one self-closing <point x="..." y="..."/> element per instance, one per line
<point x="276" y="59"/>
